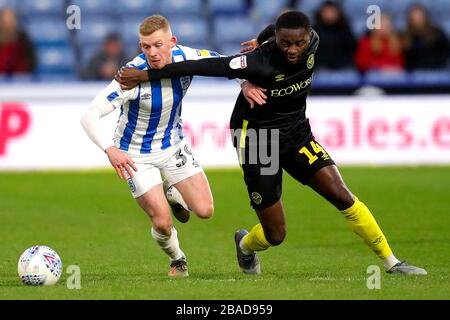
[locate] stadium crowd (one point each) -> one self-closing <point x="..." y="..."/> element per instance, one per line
<point x="412" y="43"/>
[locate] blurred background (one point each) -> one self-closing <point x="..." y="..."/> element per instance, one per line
<point x="54" y="54"/>
<point x="413" y="40"/>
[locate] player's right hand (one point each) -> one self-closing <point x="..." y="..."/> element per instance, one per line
<point x="253" y="94"/>
<point x="249" y="46"/>
<point x="121" y="162"/>
<point x="130" y="77"/>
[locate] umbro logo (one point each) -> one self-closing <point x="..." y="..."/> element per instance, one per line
<point x="378" y="240"/>
<point x="146" y="96"/>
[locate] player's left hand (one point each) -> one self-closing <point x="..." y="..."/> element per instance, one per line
<point x="130" y="77"/>
<point x="121" y="162"/>
<point x="253" y="94"/>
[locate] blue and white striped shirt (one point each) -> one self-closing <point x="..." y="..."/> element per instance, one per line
<point x="150" y="118"/>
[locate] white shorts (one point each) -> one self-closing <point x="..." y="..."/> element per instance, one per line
<point x="176" y="163"/>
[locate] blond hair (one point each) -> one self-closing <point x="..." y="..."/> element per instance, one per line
<point x="152" y="24"/>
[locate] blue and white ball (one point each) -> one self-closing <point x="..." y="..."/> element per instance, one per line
<point x="39" y="265"/>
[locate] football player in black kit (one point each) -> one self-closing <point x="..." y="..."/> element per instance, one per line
<point x="282" y="64"/>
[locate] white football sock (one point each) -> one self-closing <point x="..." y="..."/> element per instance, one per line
<point x="169" y="245"/>
<point x="244" y="248"/>
<point x="389" y="262"/>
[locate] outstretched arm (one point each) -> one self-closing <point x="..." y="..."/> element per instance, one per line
<point x="207" y="67"/>
<point x="130" y="77"/>
<point x="230" y="67"/>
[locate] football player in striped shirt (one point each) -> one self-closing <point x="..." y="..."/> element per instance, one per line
<point x="148" y="140"/>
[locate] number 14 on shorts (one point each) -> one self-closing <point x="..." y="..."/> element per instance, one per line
<point x="313" y="152"/>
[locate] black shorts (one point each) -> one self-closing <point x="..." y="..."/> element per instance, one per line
<point x="264" y="179"/>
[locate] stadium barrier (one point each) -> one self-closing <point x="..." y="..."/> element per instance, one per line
<point x="40" y="128"/>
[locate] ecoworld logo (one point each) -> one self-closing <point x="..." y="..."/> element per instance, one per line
<point x="291" y="89"/>
<point x="14" y="123"/>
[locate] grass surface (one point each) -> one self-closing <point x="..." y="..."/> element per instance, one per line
<point x="90" y="219"/>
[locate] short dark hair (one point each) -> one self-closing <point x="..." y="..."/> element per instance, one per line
<point x="293" y="20"/>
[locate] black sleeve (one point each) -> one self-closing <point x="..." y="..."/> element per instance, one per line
<point x="210" y="67"/>
<point x="266" y="34"/>
<point x="314" y="42"/>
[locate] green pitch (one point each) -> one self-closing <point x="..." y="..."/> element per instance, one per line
<point x="90" y="219"/>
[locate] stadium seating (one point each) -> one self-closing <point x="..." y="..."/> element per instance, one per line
<point x="267" y="10"/>
<point x="49" y="31"/>
<point x="190" y="29"/>
<point x="17" y="78"/>
<point x="227" y="7"/>
<point x="208" y="24"/>
<point x="55" y="60"/>
<point x="445" y="24"/>
<point x="42" y="7"/>
<point x="358" y="8"/>
<point x="235" y="29"/>
<point x="359" y="27"/>
<point x="309" y="7"/>
<point x="129" y="29"/>
<point x="182" y="7"/>
<point x="95" y="7"/>
<point x="8" y="3"/>
<point x="421" y="78"/>
<point x="228" y="49"/>
<point x="339" y="78"/>
<point x="440" y="8"/>
<point x="129" y="8"/>
<point x="88" y="51"/>
<point x="387" y="78"/>
<point x="95" y="29"/>
<point x="20" y="78"/>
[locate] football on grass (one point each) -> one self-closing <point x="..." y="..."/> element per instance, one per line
<point x="39" y="265"/>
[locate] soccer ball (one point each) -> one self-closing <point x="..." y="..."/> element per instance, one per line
<point x="39" y="265"/>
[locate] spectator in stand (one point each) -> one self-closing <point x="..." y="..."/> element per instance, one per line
<point x="17" y="54"/>
<point x="380" y="49"/>
<point x="105" y="63"/>
<point x="337" y="43"/>
<point x="426" y="46"/>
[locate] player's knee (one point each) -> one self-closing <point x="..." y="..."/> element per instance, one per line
<point x="163" y="225"/>
<point x="276" y="236"/>
<point x="342" y="198"/>
<point x="205" y="210"/>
